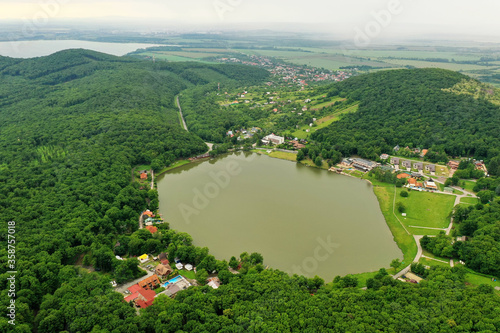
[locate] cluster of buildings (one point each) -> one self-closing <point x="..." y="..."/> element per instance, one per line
<point x="359" y="164"/>
<point x="400" y="164"/>
<point x="290" y="73"/>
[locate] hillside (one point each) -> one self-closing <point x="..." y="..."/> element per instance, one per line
<point x="72" y="127"/>
<point x="414" y="108"/>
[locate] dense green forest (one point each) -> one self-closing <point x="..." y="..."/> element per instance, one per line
<point x="410" y="108"/>
<point x="72" y="127"/>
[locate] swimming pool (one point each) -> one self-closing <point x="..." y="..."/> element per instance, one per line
<point x="172" y="281"/>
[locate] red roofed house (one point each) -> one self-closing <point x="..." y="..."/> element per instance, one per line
<point x="424" y="152"/>
<point x="165" y="262"/>
<point x="142" y="298"/>
<point x="412" y="182"/>
<point x="148" y="213"/>
<point x="144" y="175"/>
<point x="152" y="229"/>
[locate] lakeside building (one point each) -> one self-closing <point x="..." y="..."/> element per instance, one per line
<point x="364" y="165"/>
<point x="275" y="139"/>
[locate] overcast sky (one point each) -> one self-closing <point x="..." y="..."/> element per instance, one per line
<point x="344" y="18"/>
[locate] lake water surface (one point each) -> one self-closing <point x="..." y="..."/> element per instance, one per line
<point x="38" y="48"/>
<point x="301" y="219"/>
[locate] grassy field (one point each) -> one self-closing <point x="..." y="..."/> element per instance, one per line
<point x="173" y="166"/>
<point x="323" y="122"/>
<point x="188" y="274"/>
<point x="430" y="262"/>
<point x="470" y="201"/>
<point x="385" y="196"/>
<point x="469" y="185"/>
<point x="283" y="155"/>
<point x="427" y="209"/>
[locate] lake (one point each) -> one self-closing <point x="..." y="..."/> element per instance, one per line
<point x="301" y="219"/>
<point x="38" y="48"/>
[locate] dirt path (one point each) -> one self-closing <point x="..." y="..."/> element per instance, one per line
<point x="180" y="112"/>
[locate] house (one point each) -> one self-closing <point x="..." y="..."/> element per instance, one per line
<point x="453" y="164"/>
<point x="144" y="175"/>
<point x="412" y="182"/>
<point x="418" y="165"/>
<point x="424" y="152"/>
<point x="430" y="168"/>
<point x="296" y="144"/>
<point x="142" y="298"/>
<point x="151" y="229"/>
<point x="163" y="270"/>
<point x="396" y="149"/>
<point x="148" y="213"/>
<point x="271" y="138"/>
<point x="213" y="282"/>
<point x="165" y="262"/>
<point x="430" y="185"/>
<point x="346" y="162"/>
<point x="407" y="165"/>
<point x="162" y="256"/>
<point x="462" y="239"/>
<point x="143" y="258"/>
<point x="384" y="156"/>
<point x="363" y="165"/>
<point x="150" y="283"/>
<point x="416" y="175"/>
<point x="395" y="162"/>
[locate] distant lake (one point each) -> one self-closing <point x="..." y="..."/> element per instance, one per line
<point x="302" y="220"/>
<point x="38" y="48"/>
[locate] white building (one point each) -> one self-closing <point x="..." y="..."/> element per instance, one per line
<point x="277" y="140"/>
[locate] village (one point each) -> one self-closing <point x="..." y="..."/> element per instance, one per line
<point x="289" y="74"/>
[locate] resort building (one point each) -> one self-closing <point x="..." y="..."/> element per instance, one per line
<point x="271" y="138"/>
<point x="363" y="165"/>
<point x="150" y="283"/>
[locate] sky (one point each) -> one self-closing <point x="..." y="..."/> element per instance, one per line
<point x="343" y="18"/>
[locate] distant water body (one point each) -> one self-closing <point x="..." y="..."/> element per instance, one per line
<point x="39" y="48"/>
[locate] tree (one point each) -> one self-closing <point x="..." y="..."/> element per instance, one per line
<point x="256" y="258"/>
<point x="201" y="276"/>
<point x="400" y="207"/>
<point x="395" y="264"/>
<point x="318" y="161"/>
<point x="233" y="262"/>
<point x="300" y="156"/>
<point x="404" y="193"/>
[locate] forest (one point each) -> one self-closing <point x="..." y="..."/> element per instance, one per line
<point x="73" y="126"/>
<point x="410" y="108"/>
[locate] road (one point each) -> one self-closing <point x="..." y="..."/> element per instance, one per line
<point x="182" y="116"/>
<point x="210" y="145"/>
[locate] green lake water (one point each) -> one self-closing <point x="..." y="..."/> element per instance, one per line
<point x="302" y="220"/>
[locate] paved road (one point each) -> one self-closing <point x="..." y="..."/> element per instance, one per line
<point x="122" y="287"/>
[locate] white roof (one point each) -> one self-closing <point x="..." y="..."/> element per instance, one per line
<point x="188" y="267"/>
<point x="179" y="265"/>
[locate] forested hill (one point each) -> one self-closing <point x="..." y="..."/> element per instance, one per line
<point x="72" y="127"/>
<point x="412" y="108"/>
